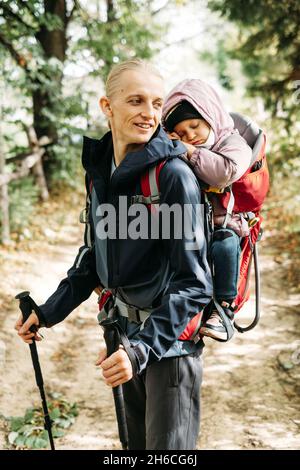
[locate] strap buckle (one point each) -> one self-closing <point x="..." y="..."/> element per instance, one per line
<point x="140" y="199"/>
<point x="133" y="314"/>
<point x="83" y="216"/>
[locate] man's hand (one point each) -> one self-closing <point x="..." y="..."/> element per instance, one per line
<point x="23" y="328"/>
<point x="98" y="290"/>
<point x="117" y="368"/>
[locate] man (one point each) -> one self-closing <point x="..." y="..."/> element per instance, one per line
<point x="166" y="282"/>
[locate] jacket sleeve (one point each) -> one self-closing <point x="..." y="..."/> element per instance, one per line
<point x="225" y="166"/>
<point x="80" y="282"/>
<point x="190" y="287"/>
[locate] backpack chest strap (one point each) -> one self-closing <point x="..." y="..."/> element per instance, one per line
<point x="229" y="209"/>
<point x="140" y="199"/>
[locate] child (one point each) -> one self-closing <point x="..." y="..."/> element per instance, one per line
<point x="194" y="113"/>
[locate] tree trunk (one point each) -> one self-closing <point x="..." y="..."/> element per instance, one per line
<point x="54" y="44"/>
<point x="38" y="169"/>
<point x="4" y="202"/>
<point x="110" y="8"/>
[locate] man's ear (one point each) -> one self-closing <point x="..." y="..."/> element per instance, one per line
<point x="105" y="106"/>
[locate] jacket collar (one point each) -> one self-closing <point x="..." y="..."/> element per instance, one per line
<point x="97" y="157"/>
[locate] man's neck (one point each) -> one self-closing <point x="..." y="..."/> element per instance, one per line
<point x="121" y="150"/>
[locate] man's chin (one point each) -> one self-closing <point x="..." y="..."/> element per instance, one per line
<point x="143" y="138"/>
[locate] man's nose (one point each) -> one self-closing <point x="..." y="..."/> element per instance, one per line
<point x="148" y="110"/>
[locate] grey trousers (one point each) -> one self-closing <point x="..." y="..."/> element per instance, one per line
<point x="163" y="404"/>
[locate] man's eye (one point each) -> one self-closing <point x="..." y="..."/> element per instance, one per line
<point x="157" y="105"/>
<point x="135" y="101"/>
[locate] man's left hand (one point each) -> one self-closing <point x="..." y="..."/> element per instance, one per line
<point x="117" y="368"/>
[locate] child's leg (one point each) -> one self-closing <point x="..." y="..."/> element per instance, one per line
<point x="225" y="254"/>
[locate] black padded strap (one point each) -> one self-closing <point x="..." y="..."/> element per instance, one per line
<point x="226" y="321"/>
<point x="127" y="346"/>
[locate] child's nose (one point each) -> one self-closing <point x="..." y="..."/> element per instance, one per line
<point x="190" y="135"/>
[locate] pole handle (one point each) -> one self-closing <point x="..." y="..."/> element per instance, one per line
<point x="26" y="307"/>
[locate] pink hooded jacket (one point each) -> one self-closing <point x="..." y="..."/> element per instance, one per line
<point x="229" y="157"/>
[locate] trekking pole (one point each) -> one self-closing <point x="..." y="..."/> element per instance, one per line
<point x="112" y="340"/>
<point x="27" y="304"/>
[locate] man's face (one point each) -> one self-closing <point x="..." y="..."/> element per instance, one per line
<point x="136" y="107"/>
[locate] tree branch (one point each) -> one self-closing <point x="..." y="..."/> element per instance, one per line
<point x="28" y="7"/>
<point x="155" y="12"/>
<point x="14" y="15"/>
<point x="27" y="164"/>
<point x="19" y="58"/>
<point x="42" y="142"/>
<point x="181" y="41"/>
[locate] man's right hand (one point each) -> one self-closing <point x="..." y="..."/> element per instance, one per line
<point x="23" y="329"/>
<point x="98" y="290"/>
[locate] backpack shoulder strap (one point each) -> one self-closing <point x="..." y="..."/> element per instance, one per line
<point x="85" y="215"/>
<point x="150" y="187"/>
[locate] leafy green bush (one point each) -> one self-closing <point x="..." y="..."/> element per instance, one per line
<point x="23" y="194"/>
<point x="28" y="432"/>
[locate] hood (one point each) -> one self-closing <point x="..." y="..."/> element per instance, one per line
<point x="97" y="157"/>
<point x="206" y="101"/>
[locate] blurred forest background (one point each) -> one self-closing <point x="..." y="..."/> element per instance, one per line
<point x="55" y="54"/>
<point x="54" y="58"/>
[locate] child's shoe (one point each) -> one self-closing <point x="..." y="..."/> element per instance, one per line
<point x="214" y="327"/>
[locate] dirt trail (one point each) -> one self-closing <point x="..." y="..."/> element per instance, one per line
<point x="250" y="398"/>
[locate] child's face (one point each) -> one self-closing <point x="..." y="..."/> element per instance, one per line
<point x="193" y="131"/>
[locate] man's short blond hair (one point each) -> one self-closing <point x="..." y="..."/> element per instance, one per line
<point x="114" y="75"/>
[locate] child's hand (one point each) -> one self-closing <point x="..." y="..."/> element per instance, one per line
<point x="190" y="149"/>
<point x="173" y="136"/>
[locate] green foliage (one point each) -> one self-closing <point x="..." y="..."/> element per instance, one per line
<point x="220" y="59"/>
<point x="28" y="432"/>
<point x="284" y="150"/>
<point x="108" y="32"/>
<point x="68" y="162"/>
<point x="266" y="43"/>
<point x="268" y="47"/>
<point x="23" y="195"/>
<point x="127" y="31"/>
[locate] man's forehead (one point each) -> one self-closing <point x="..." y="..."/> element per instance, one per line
<point x="153" y="92"/>
<point x="137" y="83"/>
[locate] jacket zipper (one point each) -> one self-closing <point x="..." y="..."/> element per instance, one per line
<point x="113" y="262"/>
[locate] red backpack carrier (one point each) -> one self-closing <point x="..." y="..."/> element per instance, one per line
<point x="249" y="194"/>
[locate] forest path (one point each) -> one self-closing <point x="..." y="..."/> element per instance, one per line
<point x="250" y="397"/>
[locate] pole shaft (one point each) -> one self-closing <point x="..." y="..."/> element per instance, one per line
<point x="111" y="336"/>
